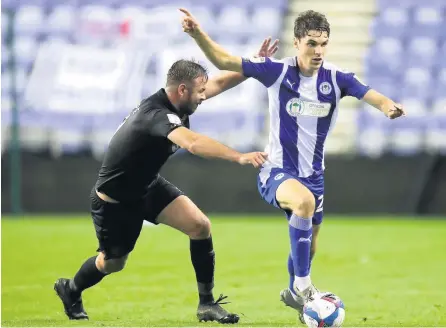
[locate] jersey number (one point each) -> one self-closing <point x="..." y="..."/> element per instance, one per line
<point x="320" y="208"/>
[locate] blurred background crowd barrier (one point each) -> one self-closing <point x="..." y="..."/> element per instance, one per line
<point x="73" y="69"/>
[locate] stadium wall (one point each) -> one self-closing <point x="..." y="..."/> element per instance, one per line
<point x="398" y="185"/>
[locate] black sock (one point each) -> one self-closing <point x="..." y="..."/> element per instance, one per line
<point x="87" y="276"/>
<point x="203" y="259"/>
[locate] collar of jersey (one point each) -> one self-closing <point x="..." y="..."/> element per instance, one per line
<point x="307" y="77"/>
<point x="166" y="102"/>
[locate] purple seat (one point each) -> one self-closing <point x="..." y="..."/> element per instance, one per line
<point x="408" y="133"/>
<point x="233" y="21"/>
<point x="439" y="87"/>
<point x="10" y="5"/>
<point x="266" y="21"/>
<point x="406" y="4"/>
<point x="416" y="107"/>
<point x="29" y="20"/>
<point x="373" y="130"/>
<point x="391" y="22"/>
<point x="105" y="3"/>
<point x="385" y="56"/>
<point x="442" y="37"/>
<point x="61" y="21"/>
<point x="96" y="25"/>
<point x="55" y="3"/>
<point x="422" y="51"/>
<point x="417" y="83"/>
<point x="385" y="84"/>
<point x="171" y="3"/>
<point x="427" y="21"/>
<point x="206" y="16"/>
<point x="15" y="4"/>
<point x="443" y="50"/>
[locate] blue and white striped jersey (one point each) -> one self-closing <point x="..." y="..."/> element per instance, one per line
<point x="302" y="110"/>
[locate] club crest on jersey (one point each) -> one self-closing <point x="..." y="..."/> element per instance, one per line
<point x="325" y="88"/>
<point x="294" y="107"/>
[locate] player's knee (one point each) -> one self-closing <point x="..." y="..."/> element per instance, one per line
<point x="114" y="265"/>
<point x="201" y="228"/>
<point x="304" y="206"/>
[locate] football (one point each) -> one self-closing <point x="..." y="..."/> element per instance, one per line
<point x="325" y="311"/>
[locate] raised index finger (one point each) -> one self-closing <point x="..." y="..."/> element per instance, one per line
<point x="186" y="12"/>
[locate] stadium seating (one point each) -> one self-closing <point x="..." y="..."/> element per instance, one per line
<point x="406" y="62"/>
<point x="152" y="25"/>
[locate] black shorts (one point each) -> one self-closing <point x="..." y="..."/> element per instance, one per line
<point x="118" y="225"/>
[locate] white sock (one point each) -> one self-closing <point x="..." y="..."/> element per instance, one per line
<point x="302" y="283"/>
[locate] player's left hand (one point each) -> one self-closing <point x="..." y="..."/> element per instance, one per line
<point x="395" y="111"/>
<point x="267" y="49"/>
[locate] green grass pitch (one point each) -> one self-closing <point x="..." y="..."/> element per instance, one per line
<point x="388" y="272"/>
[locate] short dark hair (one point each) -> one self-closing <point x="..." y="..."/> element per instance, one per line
<point x="310" y="20"/>
<point x="185" y="71"/>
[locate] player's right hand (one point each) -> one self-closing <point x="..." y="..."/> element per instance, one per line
<point x="190" y="23"/>
<point x="395" y="111"/>
<point x="256" y="158"/>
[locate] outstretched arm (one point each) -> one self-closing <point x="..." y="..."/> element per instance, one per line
<point x="227" y="80"/>
<point x="216" y="54"/>
<point x="386" y="105"/>
<point x="350" y="85"/>
<point x="263" y="69"/>
<point x="204" y="146"/>
<point x="164" y="123"/>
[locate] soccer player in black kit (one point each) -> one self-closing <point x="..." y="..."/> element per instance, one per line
<point x="130" y="190"/>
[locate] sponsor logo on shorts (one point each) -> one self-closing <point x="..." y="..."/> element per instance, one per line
<point x="279" y="176"/>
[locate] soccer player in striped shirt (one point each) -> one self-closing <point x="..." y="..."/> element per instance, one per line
<point x="304" y="93"/>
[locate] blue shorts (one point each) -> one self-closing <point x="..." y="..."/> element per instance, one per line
<point x="269" y="179"/>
